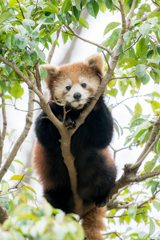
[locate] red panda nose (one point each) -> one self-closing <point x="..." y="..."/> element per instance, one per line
<point x="77" y="95"/>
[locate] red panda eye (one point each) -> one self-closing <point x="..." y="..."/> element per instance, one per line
<point x="84" y="85"/>
<point x="68" y="88"/>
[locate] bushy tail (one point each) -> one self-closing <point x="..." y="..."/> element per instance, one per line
<point x="93" y="223"/>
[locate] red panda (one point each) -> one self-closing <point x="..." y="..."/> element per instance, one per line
<point x="75" y="85"/>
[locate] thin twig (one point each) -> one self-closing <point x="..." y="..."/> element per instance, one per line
<point x="123" y="215"/>
<point x="123" y="77"/>
<point x="93" y="43"/>
<point x="135" y="96"/>
<point x="117" y="7"/>
<point x="133" y="43"/>
<point x="21" y="9"/>
<point x="106" y="59"/>
<point x="35" y="10"/>
<point x="38" y="77"/>
<point x="4" y="120"/>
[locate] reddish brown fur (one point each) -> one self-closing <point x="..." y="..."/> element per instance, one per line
<point x="93" y="223"/>
<point x="106" y="153"/>
<point x="40" y="166"/>
<point x="70" y="71"/>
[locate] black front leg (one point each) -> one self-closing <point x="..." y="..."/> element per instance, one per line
<point x="95" y="175"/>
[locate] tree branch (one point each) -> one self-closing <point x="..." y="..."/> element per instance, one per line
<point x="145" y="153"/>
<point x="144" y="176"/>
<point x="131" y="13"/>
<point x="4" y="120"/>
<point x="124" y="25"/>
<point x="38" y="77"/>
<point x="85" y="40"/>
<point x="22" y="136"/>
<point x="21" y="9"/>
<point x="53" y="48"/>
<point x="145" y="17"/>
<point x="3" y="214"/>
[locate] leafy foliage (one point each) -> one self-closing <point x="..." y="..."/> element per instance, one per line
<point x="43" y="222"/>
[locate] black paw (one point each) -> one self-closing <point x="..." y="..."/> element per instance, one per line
<point x="69" y="123"/>
<point x="101" y="201"/>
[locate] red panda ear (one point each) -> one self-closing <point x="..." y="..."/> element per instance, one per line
<point x="96" y="61"/>
<point x="51" y="72"/>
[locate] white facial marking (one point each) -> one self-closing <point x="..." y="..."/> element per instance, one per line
<point x="77" y="103"/>
<point x="65" y="90"/>
<point x="91" y="83"/>
<point x="60" y="88"/>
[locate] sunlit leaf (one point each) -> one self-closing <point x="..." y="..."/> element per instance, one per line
<point x="17" y="177"/>
<point x="17" y="91"/>
<point x="110" y="26"/>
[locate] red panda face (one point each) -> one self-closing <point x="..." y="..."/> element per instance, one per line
<point x="75" y="84"/>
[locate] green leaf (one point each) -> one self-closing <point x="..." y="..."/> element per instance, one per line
<point x="115" y="34"/>
<point x="30" y="188"/>
<point x="158" y="49"/>
<point x="7" y="97"/>
<point x="113" y="92"/>
<point x="66" y="6"/>
<point x="138" y="109"/>
<point x="41" y="55"/>
<point x="110" y="26"/>
<point x="52" y="8"/>
<point x="130" y="111"/>
<point x="17" y="91"/>
<point x="150" y="165"/>
<point x="140" y="70"/>
<point x="155" y="60"/>
<point x="145" y="79"/>
<point x="64" y="37"/>
<point x="21" y="30"/>
<point x="5" y="188"/>
<point x="153" y="20"/>
<point x="10" y="41"/>
<point x="76" y="12"/>
<point x="5" y="16"/>
<point x="154" y="187"/>
<point x="17" y="177"/>
<point x="144" y="29"/>
<point x="151" y="227"/>
<point x="3" y="86"/>
<point x="83" y="22"/>
<point x="68" y="18"/>
<point x="18" y="162"/>
<point x="92" y="8"/>
<point x="109" y="4"/>
<point x="43" y="72"/>
<point x="28" y="24"/>
<point x="130" y="60"/>
<point x="142" y="235"/>
<point x="121" y="48"/>
<point x="22" y="42"/>
<point x="150" y="54"/>
<point x="156" y="205"/>
<point x="132" y="211"/>
<point x="153" y="14"/>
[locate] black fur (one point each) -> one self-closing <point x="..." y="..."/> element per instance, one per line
<point x="95" y="175"/>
